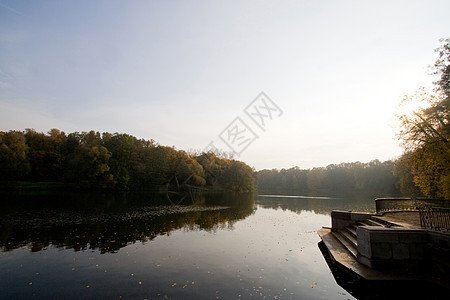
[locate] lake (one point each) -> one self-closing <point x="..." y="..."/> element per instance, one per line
<point x="140" y="246"/>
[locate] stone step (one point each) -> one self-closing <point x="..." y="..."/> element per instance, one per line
<point x="371" y="222"/>
<point x="351" y="230"/>
<point x="349" y="237"/>
<point x="385" y="223"/>
<point x="341" y="258"/>
<point x="348" y="245"/>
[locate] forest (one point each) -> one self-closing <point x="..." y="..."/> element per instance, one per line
<point x="90" y="160"/>
<point x="377" y="178"/>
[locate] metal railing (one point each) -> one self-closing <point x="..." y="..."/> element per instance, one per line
<point x="435" y="218"/>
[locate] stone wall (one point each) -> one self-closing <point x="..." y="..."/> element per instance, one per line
<point x="341" y="219"/>
<point x="380" y="247"/>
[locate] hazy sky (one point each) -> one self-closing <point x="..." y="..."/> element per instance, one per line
<point x="181" y="72"/>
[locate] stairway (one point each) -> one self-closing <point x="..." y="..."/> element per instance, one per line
<point x="347" y="236"/>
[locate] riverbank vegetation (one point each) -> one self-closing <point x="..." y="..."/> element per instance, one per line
<point x="90" y="160"/>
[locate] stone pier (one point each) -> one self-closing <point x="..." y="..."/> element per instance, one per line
<point x="387" y="249"/>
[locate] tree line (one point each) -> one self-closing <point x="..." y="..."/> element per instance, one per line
<point x="375" y="177"/>
<point x="90" y="160"/>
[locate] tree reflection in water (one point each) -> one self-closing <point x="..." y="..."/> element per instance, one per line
<point x="319" y="205"/>
<point x="106" y="222"/>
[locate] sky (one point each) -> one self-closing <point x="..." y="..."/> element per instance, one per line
<point x="279" y="83"/>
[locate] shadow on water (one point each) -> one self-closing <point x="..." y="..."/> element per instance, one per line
<point x="106" y="222"/>
<point x="381" y="289"/>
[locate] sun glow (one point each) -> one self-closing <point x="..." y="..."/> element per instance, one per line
<point x="414" y="103"/>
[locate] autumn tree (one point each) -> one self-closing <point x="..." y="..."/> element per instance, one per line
<point x="213" y="167"/>
<point x="425" y="132"/>
<point x="238" y="177"/>
<point x="113" y="161"/>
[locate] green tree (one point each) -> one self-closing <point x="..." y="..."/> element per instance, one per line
<point x="238" y="177"/>
<point x="403" y="170"/>
<point x="213" y="167"/>
<point x="113" y="161"/>
<point x="45" y="154"/>
<point x="88" y="167"/>
<point x="144" y="158"/>
<point x="14" y="164"/>
<point x="185" y="167"/>
<point x="121" y="147"/>
<point x="316" y="180"/>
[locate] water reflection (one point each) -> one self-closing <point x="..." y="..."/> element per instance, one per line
<point x="226" y="247"/>
<point x="319" y="205"/>
<point x="108" y="222"/>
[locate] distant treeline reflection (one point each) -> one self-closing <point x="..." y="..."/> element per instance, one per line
<point x="319" y="205"/>
<point x="108" y="222"/>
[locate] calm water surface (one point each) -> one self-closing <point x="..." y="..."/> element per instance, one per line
<point x="137" y="246"/>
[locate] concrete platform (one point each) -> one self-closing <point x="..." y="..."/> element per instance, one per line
<point x="407" y="219"/>
<point x="341" y="256"/>
<point x="366" y="283"/>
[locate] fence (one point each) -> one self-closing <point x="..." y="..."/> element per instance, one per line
<point x="436" y="218"/>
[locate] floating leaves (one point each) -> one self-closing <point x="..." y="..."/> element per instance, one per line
<point x="269" y="255"/>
